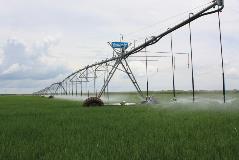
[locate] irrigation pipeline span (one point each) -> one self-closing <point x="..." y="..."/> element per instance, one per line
<point x="83" y="75"/>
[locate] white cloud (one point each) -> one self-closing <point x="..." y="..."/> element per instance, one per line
<point x="232" y="73"/>
<point x="14" y="68"/>
<point x="24" y="61"/>
<point x="1" y="56"/>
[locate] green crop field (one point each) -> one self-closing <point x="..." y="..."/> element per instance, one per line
<point x="41" y="128"/>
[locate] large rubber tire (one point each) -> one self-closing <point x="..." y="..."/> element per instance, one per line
<point x="51" y="97"/>
<point x="93" y="102"/>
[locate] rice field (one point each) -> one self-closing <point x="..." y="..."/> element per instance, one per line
<point x="41" y="128"/>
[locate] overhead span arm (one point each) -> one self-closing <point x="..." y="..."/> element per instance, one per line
<point x="155" y="39"/>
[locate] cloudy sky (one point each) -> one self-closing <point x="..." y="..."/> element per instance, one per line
<point x="43" y="41"/>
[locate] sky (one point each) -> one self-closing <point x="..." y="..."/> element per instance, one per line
<point x="43" y="41"/>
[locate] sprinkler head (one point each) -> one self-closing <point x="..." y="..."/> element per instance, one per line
<point x="150" y="100"/>
<point x="123" y="103"/>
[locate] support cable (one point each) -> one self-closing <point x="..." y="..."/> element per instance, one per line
<point x="107" y="88"/>
<point x="81" y="88"/>
<point x="147" y="76"/>
<point x="173" y="65"/>
<point x="222" y="59"/>
<point x="72" y="88"/>
<point x="191" y="48"/>
<point x="76" y="88"/>
<point x="66" y="87"/>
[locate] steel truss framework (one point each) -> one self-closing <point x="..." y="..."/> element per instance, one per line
<point x="109" y="66"/>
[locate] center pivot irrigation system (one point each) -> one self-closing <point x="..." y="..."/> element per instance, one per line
<point x="70" y="85"/>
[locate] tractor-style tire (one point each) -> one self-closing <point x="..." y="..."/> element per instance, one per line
<point x="51" y="97"/>
<point x="93" y="102"/>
